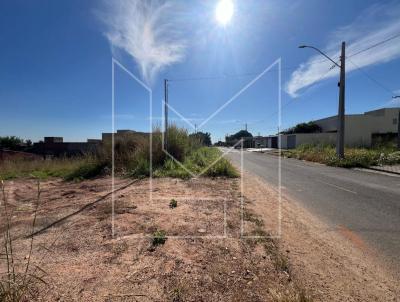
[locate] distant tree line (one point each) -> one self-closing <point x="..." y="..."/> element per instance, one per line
<point x="310" y="127"/>
<point x="14" y="143"/>
<point x="234" y="138"/>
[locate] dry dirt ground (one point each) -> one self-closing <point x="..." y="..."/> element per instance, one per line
<point x="209" y="255"/>
<point x="203" y="258"/>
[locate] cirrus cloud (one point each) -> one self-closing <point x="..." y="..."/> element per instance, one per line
<point x="377" y="23"/>
<point x="148" y="30"/>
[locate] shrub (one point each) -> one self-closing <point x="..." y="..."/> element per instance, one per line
<point x="354" y="157"/>
<point x="86" y="170"/>
<point x="20" y="280"/>
<point x="222" y="168"/>
<point x="173" y="204"/>
<point x="159" y="237"/>
<point x="39" y="168"/>
<point x="140" y="167"/>
<point x="178" y="142"/>
<point x="131" y="158"/>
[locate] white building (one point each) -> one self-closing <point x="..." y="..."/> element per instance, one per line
<point x="361" y="130"/>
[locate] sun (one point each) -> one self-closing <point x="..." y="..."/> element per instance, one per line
<point x="224" y="11"/>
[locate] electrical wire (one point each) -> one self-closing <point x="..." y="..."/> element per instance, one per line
<point x="226" y="76"/>
<point x="374" y="45"/>
<point x="371" y="78"/>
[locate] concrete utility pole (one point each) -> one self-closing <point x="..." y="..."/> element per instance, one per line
<point x="341" y="116"/>
<point x="166" y="114"/>
<point x="398" y="131"/>
<point x="398" y="124"/>
<point x="341" y="111"/>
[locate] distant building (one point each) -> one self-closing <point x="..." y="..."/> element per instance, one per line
<point x="361" y="130"/>
<point x="93" y="140"/>
<point x="53" y="139"/>
<point x="55" y="146"/>
<point x="260" y="142"/>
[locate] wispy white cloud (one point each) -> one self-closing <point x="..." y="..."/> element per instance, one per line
<point x="148" y="30"/>
<point x="375" y="24"/>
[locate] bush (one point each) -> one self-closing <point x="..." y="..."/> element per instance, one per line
<point x="20" y="279"/>
<point x="354" y="157"/>
<point x="222" y="168"/>
<point x="59" y="167"/>
<point x="86" y="170"/>
<point x="131" y="158"/>
<point x="159" y="237"/>
<point x="173" y="204"/>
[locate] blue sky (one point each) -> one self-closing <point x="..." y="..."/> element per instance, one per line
<point x="55" y="63"/>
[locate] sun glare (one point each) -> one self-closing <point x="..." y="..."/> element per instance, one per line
<point x="224" y="11"/>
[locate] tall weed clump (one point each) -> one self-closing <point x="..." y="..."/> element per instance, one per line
<point x="354" y="157"/>
<point x="20" y="280"/>
<point x="135" y="154"/>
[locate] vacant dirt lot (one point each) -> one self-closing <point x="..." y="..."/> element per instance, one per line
<point x="203" y="258"/>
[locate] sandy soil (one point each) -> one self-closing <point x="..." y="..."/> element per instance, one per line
<point x="209" y="254"/>
<point x="203" y="259"/>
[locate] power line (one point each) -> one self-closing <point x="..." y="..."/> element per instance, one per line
<point x="226" y="76"/>
<point x="374" y="45"/>
<point x="293" y="100"/>
<point x="371" y="78"/>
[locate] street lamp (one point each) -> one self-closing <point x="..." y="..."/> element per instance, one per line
<point x="340" y="126"/>
<point x="398" y="124"/>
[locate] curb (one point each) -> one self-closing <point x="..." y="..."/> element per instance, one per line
<point x="382" y="170"/>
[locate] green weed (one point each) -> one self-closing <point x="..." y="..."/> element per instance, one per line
<point x="159" y="238"/>
<point x="173" y="204"/>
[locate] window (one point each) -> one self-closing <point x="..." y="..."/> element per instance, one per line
<point x="395" y="121"/>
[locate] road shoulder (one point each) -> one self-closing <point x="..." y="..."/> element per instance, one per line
<point x="332" y="262"/>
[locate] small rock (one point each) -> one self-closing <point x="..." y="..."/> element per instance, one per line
<point x="201" y="230"/>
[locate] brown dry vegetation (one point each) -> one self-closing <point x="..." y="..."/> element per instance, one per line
<point x="200" y="260"/>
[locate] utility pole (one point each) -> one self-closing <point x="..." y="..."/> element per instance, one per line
<point x="398" y="131"/>
<point x="398" y="124"/>
<point x="341" y="111"/>
<point x="166" y="114"/>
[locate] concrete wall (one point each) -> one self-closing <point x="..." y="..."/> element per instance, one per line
<point x="315" y="138"/>
<point x="260" y="142"/>
<point x="282" y="141"/>
<point x="306" y="138"/>
<point x="360" y="127"/>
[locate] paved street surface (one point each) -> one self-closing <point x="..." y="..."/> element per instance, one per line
<point x="366" y="203"/>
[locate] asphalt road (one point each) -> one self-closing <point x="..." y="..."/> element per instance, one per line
<point x="366" y="203"/>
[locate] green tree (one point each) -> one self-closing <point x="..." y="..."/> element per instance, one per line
<point x="239" y="135"/>
<point x="310" y="127"/>
<point x="11" y="142"/>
